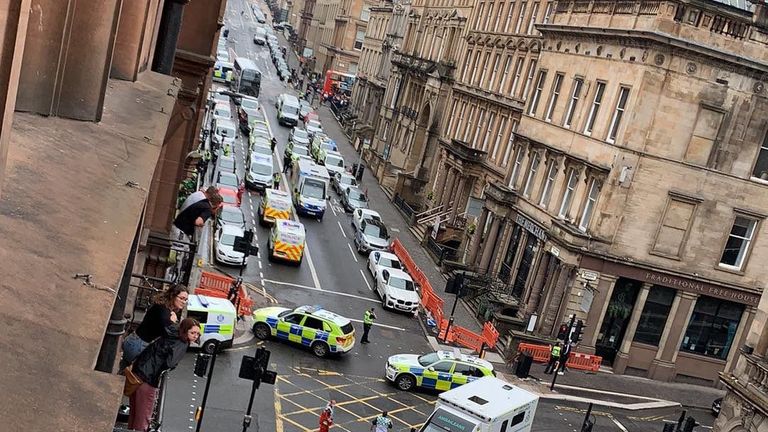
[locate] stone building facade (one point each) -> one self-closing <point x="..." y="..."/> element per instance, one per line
<point x="635" y="197"/>
<point x="336" y="32"/>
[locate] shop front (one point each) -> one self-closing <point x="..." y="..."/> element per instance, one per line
<point x="663" y="326"/>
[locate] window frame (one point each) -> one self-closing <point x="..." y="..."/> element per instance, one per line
<point x="594" y="109"/>
<point x="510" y="141"/>
<point x="536" y="93"/>
<point x="557" y="85"/>
<point x="532" y="20"/>
<point x="361" y="41"/>
<point x="529" y="79"/>
<point x="505" y="74"/>
<point x="763" y="148"/>
<point x="590" y="203"/>
<point x="517" y="164"/>
<point x="567" y="200"/>
<point x="618" y="114"/>
<point x="549" y="181"/>
<point x="533" y="168"/>
<point x="494" y="71"/>
<point x="521" y="16"/>
<point x="488" y="130"/>
<point x="576" y="88"/>
<point x="517" y="74"/>
<point x="755" y="228"/>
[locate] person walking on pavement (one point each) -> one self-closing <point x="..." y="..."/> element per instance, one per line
<point x="274" y="144"/>
<point x="287" y="162"/>
<point x="368" y="319"/>
<point x="326" y="417"/>
<point x="554" y="357"/>
<point x="162" y="355"/>
<point x="381" y="423"/>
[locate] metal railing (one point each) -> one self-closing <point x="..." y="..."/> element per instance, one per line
<point x="404" y="207"/>
<point x="430" y="215"/>
<point x="441" y="251"/>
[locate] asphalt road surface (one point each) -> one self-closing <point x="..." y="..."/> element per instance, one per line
<point x="335" y="276"/>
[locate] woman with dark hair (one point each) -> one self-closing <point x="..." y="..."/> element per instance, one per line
<point x="163" y="354"/>
<point x="166" y="311"/>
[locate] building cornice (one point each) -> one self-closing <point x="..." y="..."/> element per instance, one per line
<point x="662" y="41"/>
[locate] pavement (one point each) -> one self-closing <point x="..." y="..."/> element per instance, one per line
<point x="335" y="276"/>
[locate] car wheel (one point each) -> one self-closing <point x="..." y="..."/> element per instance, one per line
<point x="405" y="382"/>
<point x="210" y="346"/>
<point x="320" y="349"/>
<point x="261" y="331"/>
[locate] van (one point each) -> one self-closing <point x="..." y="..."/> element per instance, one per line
<point x="287" y="110"/>
<point x="310" y="183"/>
<point x="222" y="71"/>
<point x="217" y="318"/>
<point x="286" y="241"/>
<point x="275" y="204"/>
<point x="246" y="77"/>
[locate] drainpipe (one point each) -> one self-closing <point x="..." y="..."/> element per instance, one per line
<point x="168" y="36"/>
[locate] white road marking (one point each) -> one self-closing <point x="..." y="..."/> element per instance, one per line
<point x="352" y="252"/>
<point x="618" y="423"/>
<point x="382" y="325"/>
<point x="342" y="229"/>
<point x="261" y="275"/>
<point x="260" y="264"/>
<point x="333" y="210"/>
<point x="324" y="291"/>
<point x="365" y="279"/>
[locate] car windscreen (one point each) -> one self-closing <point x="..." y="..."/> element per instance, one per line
<point x="249" y="104"/>
<point x="332" y="160"/>
<point x="225" y="131"/>
<point x="313" y="189"/>
<point x="348" y="180"/>
<point x="290" y="109"/>
<point x="399" y="283"/>
<point x="227" y="240"/>
<point x="226" y="164"/>
<point x="356" y="195"/>
<point x="259" y="168"/>
<point x="374" y="231"/>
<point x="228" y="179"/>
<point x="443" y="421"/>
<point x="232" y="215"/>
<point x="251" y="75"/>
<point x="314" y="124"/>
<point x="229" y="199"/>
<point x="280" y="204"/>
<point x="327" y="145"/>
<point x="262" y="150"/>
<point x="300" y="133"/>
<point x="301" y="151"/>
<point x="386" y="262"/>
<point x="428" y="359"/>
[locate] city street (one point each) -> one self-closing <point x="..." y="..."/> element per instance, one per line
<point x="335" y="276"/>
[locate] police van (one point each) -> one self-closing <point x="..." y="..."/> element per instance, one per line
<point x="485" y="405"/>
<point x="287" y="241"/>
<point x="217" y="317"/>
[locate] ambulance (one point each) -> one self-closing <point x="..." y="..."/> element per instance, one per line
<point x="287" y="241"/>
<point x="275" y="204"/>
<point x="484" y="405"/>
<point x="217" y="317"/>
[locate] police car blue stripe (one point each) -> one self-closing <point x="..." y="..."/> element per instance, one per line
<point x="428" y="382"/>
<point x="282" y="335"/>
<point x="211" y="328"/>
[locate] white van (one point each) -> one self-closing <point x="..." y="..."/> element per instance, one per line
<point x="224" y="132"/>
<point x="217" y="321"/>
<point x="484" y="405"/>
<point x="287" y="110"/>
<point x="221" y="111"/>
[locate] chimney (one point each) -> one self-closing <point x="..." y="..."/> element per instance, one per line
<point x="760" y="15"/>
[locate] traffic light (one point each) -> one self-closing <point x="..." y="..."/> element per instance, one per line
<point x="201" y="364"/>
<point x="255" y="368"/>
<point x="562" y="332"/>
<point x="689" y="424"/>
<point x="587" y="426"/>
<point x="455" y="284"/>
<point x="578" y="331"/>
<point x="669" y="427"/>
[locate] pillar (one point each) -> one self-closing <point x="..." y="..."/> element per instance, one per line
<point x="663" y="366"/>
<point x="14" y="30"/>
<point x="490" y="244"/>
<point x="437" y="186"/>
<point x="447" y="192"/>
<point x="502" y="238"/>
<point x="170" y="27"/>
<point x="597" y="311"/>
<point x="622" y="357"/>
<point x="738" y="338"/>
<point x="137" y="20"/>
<point x="460" y="192"/>
<point x="67" y="57"/>
<point x="478" y="240"/>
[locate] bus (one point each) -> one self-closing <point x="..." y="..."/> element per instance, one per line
<point x="337" y="83"/>
<point x="246" y="77"/>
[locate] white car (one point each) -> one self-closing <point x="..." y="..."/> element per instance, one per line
<point x="396" y="289"/>
<point x="334" y="163"/>
<point x="225" y="246"/>
<point x="371" y="236"/>
<point x="359" y="214"/>
<point x="313" y="127"/>
<point x="380" y="259"/>
<point x="222" y="55"/>
<point x="221" y="111"/>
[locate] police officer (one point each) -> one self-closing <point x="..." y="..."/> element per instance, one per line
<point x="554" y="357"/>
<point x="368" y="319"/>
<point x="276" y="181"/>
<point x="381" y="423"/>
<point x="287" y="162"/>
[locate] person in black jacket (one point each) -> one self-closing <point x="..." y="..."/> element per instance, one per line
<point x="161" y="355"/>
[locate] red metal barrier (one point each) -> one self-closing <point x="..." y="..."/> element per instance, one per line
<point x="215" y="285"/>
<point x="576" y="360"/>
<point x="467" y="338"/>
<point x="215" y="281"/>
<point x="490" y="335"/>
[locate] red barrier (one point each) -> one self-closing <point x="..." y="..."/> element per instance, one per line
<point x="576" y="360"/>
<point x="215" y="285"/>
<point x="466" y="337"/>
<point x="490" y="335"/>
<point x="215" y="281"/>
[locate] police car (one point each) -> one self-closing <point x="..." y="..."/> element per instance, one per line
<point x="311" y="326"/>
<point x="441" y="370"/>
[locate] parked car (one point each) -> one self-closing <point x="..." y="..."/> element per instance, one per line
<point x="342" y="180"/>
<point x="227" y="180"/>
<point x="361" y="214"/>
<point x="381" y="259"/>
<point x="230" y="216"/>
<point x="353" y="198"/>
<point x="372" y="235"/>
<point x="396" y="289"/>
<point x="229" y="196"/>
<point x="225" y="246"/>
<point x="441" y="370"/>
<point x="299" y="136"/>
<point x="313" y="126"/>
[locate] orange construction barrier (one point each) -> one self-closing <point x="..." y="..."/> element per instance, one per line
<point x="215" y="285"/>
<point x="215" y="281"/>
<point x="540" y="353"/>
<point x="467" y="338"/>
<point x="576" y="360"/>
<point x="490" y="335"/>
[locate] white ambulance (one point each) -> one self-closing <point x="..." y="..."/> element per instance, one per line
<point x="484" y="405"/>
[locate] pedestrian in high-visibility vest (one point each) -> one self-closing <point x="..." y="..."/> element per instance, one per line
<point x="368" y="319"/>
<point x="554" y="358"/>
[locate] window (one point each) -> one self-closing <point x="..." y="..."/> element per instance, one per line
<point x="505" y="76"/>
<point x="537" y="93"/>
<point x="476" y="135"/>
<point x="487" y="16"/>
<point x="516" y="168"/>
<point x="453" y="117"/>
<point x="460" y="123"/>
<point x="516" y="79"/>
<point x="553" y="98"/>
<point x="365" y="14"/>
<point x="497" y="142"/>
<point x="352" y="68"/>
<point x="486" y="65"/>
<point x="529" y="79"/>
<point x="395" y="92"/>
<point x="480" y="7"/>
<point x="532" y="21"/>
<point x="673" y="230"/>
<point x="498" y="17"/>
<point x="495" y="72"/>
<point x="466" y="65"/>
<point x="547" y="13"/>
<point x="654" y="316"/>
<point x="589" y="206"/>
<point x="313" y="323"/>
<point x="520" y="17"/>
<point x="570" y="188"/>
<point x="517" y="419"/>
<point x="712" y="327"/>
<point x="468" y="127"/>
<point x="294" y="318"/>
<point x="474" y="67"/>
<point x="385" y="132"/>
<point x="488" y="132"/>
<point x="618" y="113"/>
<point x="548" y="182"/>
<point x="761" y="165"/>
<point x="533" y="167"/>
<point x="443" y="366"/>
<point x="578" y="83"/>
<point x="359" y="37"/>
<point x="737" y="246"/>
<point x="510" y="12"/>
<point x="599" y="90"/>
<point x="510" y="143"/>
<point x="704" y="135"/>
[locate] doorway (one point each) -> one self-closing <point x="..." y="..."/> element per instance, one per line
<point x="616" y="319"/>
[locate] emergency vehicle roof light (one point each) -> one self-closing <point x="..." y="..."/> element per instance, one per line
<point x="203" y="301"/>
